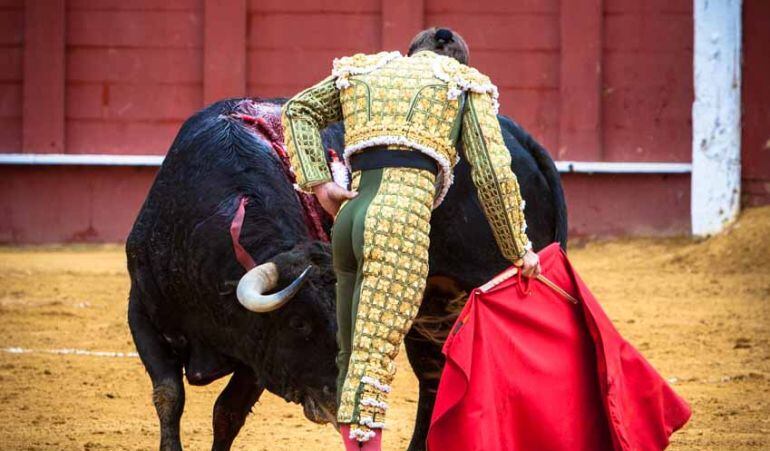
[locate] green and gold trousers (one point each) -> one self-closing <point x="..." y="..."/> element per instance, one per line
<point x="380" y="255"/>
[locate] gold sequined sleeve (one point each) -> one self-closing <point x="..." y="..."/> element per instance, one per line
<point x="491" y="172"/>
<point x="303" y="117"/>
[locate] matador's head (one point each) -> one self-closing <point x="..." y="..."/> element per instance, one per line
<point x="442" y="41"/>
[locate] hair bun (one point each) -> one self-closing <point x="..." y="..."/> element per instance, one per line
<point x="442" y="34"/>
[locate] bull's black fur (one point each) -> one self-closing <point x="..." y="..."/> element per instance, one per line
<point x="182" y="308"/>
<point x="518" y="140"/>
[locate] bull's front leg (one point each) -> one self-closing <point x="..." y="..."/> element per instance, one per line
<point x="232" y="407"/>
<point x="168" y="397"/>
<point x="164" y="369"/>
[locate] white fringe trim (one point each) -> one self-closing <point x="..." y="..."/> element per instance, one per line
<point x="370" y="423"/>
<point x="342" y="69"/>
<point x="361" y="435"/>
<point x="445" y="173"/>
<point x="458" y="84"/>
<point x="523" y="205"/>
<point x="374" y="403"/>
<point x="528" y="247"/>
<point x="385" y="388"/>
<point x="340" y="174"/>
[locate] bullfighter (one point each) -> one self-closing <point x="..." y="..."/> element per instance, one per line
<point x="404" y="118"/>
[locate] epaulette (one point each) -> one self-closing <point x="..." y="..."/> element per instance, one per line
<point x="464" y="78"/>
<point x="358" y="64"/>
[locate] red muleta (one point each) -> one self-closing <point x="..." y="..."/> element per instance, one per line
<point x="528" y="370"/>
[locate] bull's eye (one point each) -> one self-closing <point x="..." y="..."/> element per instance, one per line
<point x="300" y="325"/>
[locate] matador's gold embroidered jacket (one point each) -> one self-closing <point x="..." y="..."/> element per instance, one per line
<point x="425" y="102"/>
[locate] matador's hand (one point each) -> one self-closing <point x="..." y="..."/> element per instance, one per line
<point x="331" y="196"/>
<point x="531" y="265"/>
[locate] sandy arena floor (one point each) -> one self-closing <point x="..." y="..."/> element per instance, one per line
<point x="700" y="312"/>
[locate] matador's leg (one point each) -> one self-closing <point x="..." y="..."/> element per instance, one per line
<point x="394" y="265"/>
<point x="347" y="270"/>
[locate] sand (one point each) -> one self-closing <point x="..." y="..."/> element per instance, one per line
<point x="698" y="310"/>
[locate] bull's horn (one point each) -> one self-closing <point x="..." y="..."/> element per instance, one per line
<point x="263" y="278"/>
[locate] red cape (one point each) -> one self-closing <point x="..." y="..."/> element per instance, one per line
<point x="528" y="370"/>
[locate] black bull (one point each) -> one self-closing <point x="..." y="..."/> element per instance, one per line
<point x="183" y="312"/>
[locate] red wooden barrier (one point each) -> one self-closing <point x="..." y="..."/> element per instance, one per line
<point x="11" y="74"/>
<point x="400" y="19"/>
<point x="591" y="79"/>
<point x="134" y="73"/>
<point x="755" y="139"/>
<point x="43" y="115"/>
<point x="580" y="119"/>
<point x="224" y="49"/>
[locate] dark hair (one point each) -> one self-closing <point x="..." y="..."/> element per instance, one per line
<point x="443" y="41"/>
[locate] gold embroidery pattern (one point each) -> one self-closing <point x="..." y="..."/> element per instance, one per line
<point x="395" y="268"/>
<point x="413" y="102"/>
<point x="303" y="117"/>
<point x="402" y="99"/>
<point x="359" y="63"/>
<point x="491" y="172"/>
<point x="463" y="78"/>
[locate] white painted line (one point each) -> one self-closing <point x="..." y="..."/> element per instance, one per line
<point x="586" y="167"/>
<point x="68" y="351"/>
